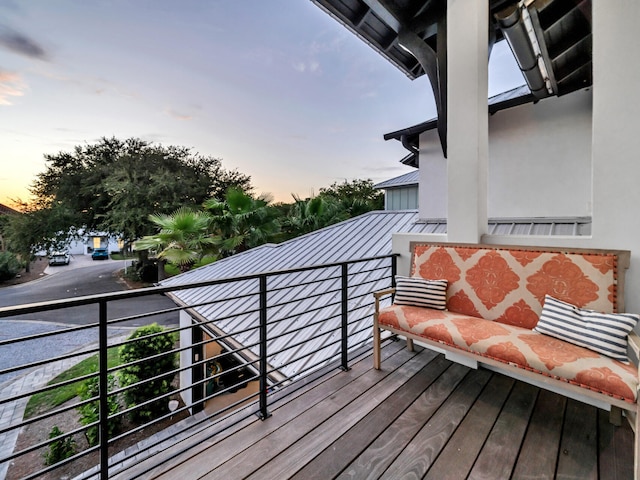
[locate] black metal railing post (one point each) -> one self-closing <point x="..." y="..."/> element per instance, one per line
<point x="198" y="371"/>
<point x="345" y="310"/>
<point x="103" y="386"/>
<point x="394" y="269"/>
<point x="264" y="386"/>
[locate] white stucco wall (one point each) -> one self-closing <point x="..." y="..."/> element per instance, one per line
<point x="539" y="162"/>
<point x="432" y="194"/>
<point x="540" y="159"/>
<point x="616" y="134"/>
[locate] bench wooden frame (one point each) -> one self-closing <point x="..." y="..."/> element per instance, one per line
<point x="614" y="405"/>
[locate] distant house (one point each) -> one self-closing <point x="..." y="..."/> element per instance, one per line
<point x="4" y="210"/>
<point x="401" y="193"/>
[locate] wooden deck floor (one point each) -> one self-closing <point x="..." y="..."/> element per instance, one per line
<point x="419" y="417"/>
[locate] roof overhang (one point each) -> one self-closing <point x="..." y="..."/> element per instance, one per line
<point x="410" y="136"/>
<point x="551" y="40"/>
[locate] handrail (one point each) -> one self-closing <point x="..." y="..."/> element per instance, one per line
<point x="338" y="326"/>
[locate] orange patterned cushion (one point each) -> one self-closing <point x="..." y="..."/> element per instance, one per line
<point x="517" y="346"/>
<point x="509" y="285"/>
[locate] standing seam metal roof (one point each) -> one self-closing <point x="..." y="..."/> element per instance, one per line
<point x="295" y="303"/>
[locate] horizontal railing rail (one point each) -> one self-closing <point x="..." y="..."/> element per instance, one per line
<point x="229" y="342"/>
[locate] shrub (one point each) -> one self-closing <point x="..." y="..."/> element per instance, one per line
<point x="59" y="449"/>
<point x="90" y="412"/>
<point x="148" y="344"/>
<point x="9" y="266"/>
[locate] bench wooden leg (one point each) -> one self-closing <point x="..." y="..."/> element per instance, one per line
<point x="636" y="447"/>
<point x="615" y="416"/>
<point x="376" y="343"/>
<point x="410" y="344"/>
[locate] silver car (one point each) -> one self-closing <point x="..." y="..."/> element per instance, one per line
<point x="59" y="258"/>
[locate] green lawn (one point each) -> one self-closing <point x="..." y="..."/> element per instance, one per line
<point x="44" y="401"/>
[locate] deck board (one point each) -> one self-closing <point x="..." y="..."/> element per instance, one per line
<point x="462" y="450"/>
<point x="423" y="450"/>
<point x="497" y="458"/>
<point x="613" y="447"/>
<point x="337" y="456"/>
<point x="578" y="459"/>
<point x="539" y="452"/>
<point x="347" y="409"/>
<point x="372" y="462"/>
<point x="230" y="445"/>
<point x="420" y="416"/>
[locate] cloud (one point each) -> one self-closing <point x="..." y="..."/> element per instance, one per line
<point x="11" y="85"/>
<point x="21" y="44"/>
<point x="178" y="115"/>
<point x="311" y="66"/>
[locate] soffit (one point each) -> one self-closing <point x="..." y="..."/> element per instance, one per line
<point x="562" y="27"/>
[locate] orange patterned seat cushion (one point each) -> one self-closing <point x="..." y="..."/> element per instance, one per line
<point x="509" y="284"/>
<point x="518" y="346"/>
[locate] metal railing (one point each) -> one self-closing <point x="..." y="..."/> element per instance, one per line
<point x="240" y="341"/>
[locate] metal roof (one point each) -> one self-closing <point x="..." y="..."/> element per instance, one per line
<point x="290" y="295"/>
<point x="301" y="303"/>
<point x="411" y="178"/>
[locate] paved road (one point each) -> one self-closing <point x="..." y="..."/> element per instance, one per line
<point x="84" y="277"/>
<point x="81" y="277"/>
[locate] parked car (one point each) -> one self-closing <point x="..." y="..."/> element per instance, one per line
<point x="100" y="254"/>
<point x="59" y="258"/>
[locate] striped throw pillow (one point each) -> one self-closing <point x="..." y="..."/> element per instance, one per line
<point x="604" y="333"/>
<point x="419" y="292"/>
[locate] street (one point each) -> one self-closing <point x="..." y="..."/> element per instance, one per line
<point x="81" y="277"/>
<point x="84" y="277"/>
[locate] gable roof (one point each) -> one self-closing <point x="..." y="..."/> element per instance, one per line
<point x="408" y="179"/>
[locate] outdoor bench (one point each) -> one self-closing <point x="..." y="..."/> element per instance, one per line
<point x="489" y="305"/>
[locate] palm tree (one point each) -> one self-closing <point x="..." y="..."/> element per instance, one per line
<point x="312" y="214"/>
<point x="240" y="222"/>
<point x="183" y="238"/>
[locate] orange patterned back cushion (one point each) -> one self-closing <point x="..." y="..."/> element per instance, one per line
<point x="509" y="285"/>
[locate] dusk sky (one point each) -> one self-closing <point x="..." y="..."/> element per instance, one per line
<point x="276" y="89"/>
